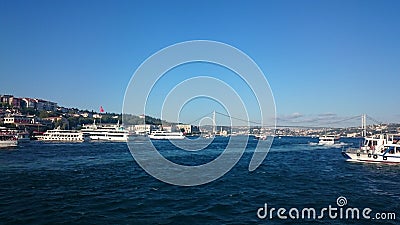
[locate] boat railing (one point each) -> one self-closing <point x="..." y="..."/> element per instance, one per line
<point x="362" y="151"/>
<point x="359" y="151"/>
<point x="353" y="150"/>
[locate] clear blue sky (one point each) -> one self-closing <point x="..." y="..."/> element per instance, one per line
<point x="322" y="58"/>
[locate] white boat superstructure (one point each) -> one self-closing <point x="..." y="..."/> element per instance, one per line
<point x="58" y="135"/>
<point x="381" y="148"/>
<point x="328" y="140"/>
<point x="106" y="132"/>
<point x="164" y="135"/>
<point x="375" y="142"/>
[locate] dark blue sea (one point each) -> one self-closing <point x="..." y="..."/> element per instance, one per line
<point x="101" y="183"/>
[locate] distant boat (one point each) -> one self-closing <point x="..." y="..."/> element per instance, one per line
<point x="328" y="140"/>
<point x="58" y="135"/>
<point x="106" y="132"/>
<point x="261" y="136"/>
<point x="8" y="140"/>
<point x="208" y="136"/>
<point x="380" y="149"/>
<point x="164" y="135"/>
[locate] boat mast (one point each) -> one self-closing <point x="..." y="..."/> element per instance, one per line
<point x="214" y="131"/>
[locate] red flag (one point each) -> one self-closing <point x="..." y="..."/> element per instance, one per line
<point x="101" y="109"/>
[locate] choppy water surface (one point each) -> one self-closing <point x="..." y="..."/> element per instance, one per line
<point x="100" y="183"/>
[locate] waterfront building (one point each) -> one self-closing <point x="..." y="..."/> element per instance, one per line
<point x="29" y="103"/>
<point x="43" y="105"/>
<point x="6" y="99"/>
<point x="33" y="103"/>
<point x="97" y="116"/>
<point x="168" y="129"/>
<point x="15" y="102"/>
<point x="87" y="115"/>
<point x="144" y="128"/>
<point x="16" y="119"/>
<point x="188" y="129"/>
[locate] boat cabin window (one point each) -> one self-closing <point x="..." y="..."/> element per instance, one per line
<point x="371" y="143"/>
<point x="394" y="138"/>
<point x="390" y="150"/>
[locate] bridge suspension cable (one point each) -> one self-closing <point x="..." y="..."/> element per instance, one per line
<point x="324" y="125"/>
<point x="376" y="121"/>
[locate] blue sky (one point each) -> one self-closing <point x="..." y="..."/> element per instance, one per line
<point x="333" y="59"/>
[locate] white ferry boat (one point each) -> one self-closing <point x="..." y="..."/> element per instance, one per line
<point x="164" y="135"/>
<point x="8" y="140"/>
<point x="106" y="132"/>
<point x="328" y="140"/>
<point x="58" y="135"/>
<point x="381" y="148"/>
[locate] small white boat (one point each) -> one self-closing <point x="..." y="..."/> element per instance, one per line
<point x="380" y="149"/>
<point x="260" y="136"/>
<point x="208" y="136"/>
<point x="58" y="135"/>
<point x="328" y="140"/>
<point x="8" y="140"/>
<point x="389" y="154"/>
<point x="164" y="135"/>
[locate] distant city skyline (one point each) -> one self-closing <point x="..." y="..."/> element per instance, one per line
<point x="324" y="60"/>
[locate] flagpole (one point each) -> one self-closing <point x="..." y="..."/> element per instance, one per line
<point x="101" y="111"/>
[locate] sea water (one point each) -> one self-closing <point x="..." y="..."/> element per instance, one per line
<point x="100" y="183"/>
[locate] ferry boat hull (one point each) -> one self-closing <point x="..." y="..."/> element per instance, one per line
<point x="107" y="137"/>
<point x="8" y="143"/>
<point x="166" y="138"/>
<point x="63" y="136"/>
<point x="359" y="156"/>
<point x="162" y="135"/>
<point x="8" y="139"/>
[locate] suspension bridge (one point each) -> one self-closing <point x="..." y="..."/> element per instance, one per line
<point x="321" y="124"/>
